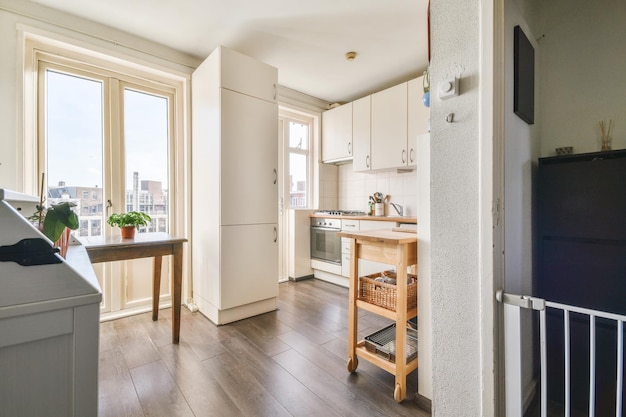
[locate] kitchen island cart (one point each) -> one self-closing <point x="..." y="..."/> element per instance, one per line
<point x="400" y="250"/>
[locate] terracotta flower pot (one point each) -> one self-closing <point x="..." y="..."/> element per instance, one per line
<point x="128" y="232"/>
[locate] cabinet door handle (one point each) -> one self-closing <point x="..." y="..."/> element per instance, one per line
<point x="412" y="155"/>
<point x="275" y="176"/>
<point x="403" y="156"/>
<point x="349" y="148"/>
<point x="367" y="161"/>
<point x="275" y="91"/>
<point x="275" y="234"/>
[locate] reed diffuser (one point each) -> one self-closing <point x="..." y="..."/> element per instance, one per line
<point x="605" y="134"/>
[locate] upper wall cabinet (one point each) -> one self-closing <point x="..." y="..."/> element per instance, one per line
<point x="383" y="131"/>
<point x="337" y="134"/>
<point x="389" y="128"/>
<point x="418" y="114"/>
<point x="361" y="134"/>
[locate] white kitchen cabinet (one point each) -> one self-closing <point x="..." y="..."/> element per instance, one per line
<point x="361" y="135"/>
<point x="389" y="128"/>
<point x="252" y="247"/>
<point x="337" y="134"/>
<point x="347" y="225"/>
<point x="246" y="75"/>
<point x="248" y="192"/>
<point x="234" y="183"/>
<point x="418" y="117"/>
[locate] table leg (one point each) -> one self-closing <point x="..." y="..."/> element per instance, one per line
<point x="352" y="309"/>
<point x="156" y="286"/>
<point x="401" y="318"/>
<point x="177" y="283"/>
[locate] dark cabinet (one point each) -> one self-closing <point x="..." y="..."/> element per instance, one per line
<point x="581" y="261"/>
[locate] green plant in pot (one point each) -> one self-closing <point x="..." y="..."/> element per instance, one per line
<point x="129" y="222"/>
<point x="56" y="222"/>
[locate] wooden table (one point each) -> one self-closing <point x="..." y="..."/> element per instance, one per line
<point x="393" y="248"/>
<point x="145" y="245"/>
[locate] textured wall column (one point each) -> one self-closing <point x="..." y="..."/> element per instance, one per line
<point x="455" y="226"/>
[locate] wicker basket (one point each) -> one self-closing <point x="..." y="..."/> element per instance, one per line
<point x="384" y="294"/>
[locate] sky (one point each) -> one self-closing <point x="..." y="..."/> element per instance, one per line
<point x="75" y="133"/>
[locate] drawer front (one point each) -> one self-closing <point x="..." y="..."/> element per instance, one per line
<point x="350" y="225"/>
<point x="345" y="264"/>
<point x="345" y="245"/>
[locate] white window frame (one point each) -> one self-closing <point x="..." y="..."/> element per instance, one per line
<point x="38" y="48"/>
<point x="284" y="117"/>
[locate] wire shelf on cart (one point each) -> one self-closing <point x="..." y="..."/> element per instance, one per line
<point x="383" y="343"/>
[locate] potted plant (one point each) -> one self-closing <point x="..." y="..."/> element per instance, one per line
<point x="129" y="222"/>
<point x="56" y="223"/>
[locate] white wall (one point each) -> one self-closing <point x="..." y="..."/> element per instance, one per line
<point x="354" y="189"/>
<point x="582" y="69"/>
<point x="343" y="189"/>
<point x="329" y="189"/>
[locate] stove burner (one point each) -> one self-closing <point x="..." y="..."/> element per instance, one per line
<point x="342" y="212"/>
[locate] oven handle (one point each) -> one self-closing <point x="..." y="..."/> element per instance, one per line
<point x="326" y="229"/>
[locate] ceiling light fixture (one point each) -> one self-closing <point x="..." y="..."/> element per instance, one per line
<point x="350" y="56"/>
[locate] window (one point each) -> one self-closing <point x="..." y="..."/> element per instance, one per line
<point x="87" y="149"/>
<point x="109" y="136"/>
<point x="296" y="130"/>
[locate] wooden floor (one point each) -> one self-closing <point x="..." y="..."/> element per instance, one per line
<point x="291" y="362"/>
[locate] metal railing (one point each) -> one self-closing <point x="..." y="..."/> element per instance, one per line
<point x="513" y="304"/>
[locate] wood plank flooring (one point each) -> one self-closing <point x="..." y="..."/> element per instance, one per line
<point x="291" y="362"/>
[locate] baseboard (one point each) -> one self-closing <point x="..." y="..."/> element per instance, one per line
<point x="302" y="278"/>
<point x="424" y="403"/>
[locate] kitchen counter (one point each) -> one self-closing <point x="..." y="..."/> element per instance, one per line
<point x="395" y="219"/>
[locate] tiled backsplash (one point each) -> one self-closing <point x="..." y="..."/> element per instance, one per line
<point x="343" y="189"/>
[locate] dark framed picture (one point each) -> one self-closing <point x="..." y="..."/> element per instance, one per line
<point x="523" y="77"/>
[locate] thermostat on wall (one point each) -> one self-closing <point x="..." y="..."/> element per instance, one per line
<point x="448" y="88"/>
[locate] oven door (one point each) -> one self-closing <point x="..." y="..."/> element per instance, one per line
<point x="325" y="245"/>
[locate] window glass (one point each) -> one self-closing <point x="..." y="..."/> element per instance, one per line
<point x="298" y="163"/>
<point x="146" y="141"/>
<point x="73" y="114"/>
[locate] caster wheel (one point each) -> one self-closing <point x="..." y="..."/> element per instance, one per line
<point x="397" y="394"/>
<point x="352" y="364"/>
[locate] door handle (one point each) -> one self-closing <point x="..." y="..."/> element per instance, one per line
<point x="367" y="161"/>
<point x="275" y="234"/>
<point x="412" y="155"/>
<point x="403" y="156"/>
<point x="275" y="176"/>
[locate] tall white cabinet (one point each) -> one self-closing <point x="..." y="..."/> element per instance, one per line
<point x="234" y="219"/>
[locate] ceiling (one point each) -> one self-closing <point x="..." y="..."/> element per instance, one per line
<point x="306" y="40"/>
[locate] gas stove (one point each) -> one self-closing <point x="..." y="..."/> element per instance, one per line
<point x="341" y="212"/>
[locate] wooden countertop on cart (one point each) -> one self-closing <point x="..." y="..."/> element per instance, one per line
<point x="396" y="219"/>
<point x="382" y="236"/>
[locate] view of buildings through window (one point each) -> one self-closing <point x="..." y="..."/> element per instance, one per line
<point x="298" y="163"/>
<point x="76" y="139"/>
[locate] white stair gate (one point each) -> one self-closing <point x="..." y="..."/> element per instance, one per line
<point x="514" y="357"/>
